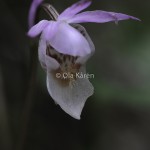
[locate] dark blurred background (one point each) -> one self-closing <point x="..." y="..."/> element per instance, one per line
<point x="116" y="117"/>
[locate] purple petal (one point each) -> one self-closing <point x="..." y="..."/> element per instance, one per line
<point x="70" y="98"/>
<point x="82" y="30"/>
<point x="38" y="28"/>
<point x="50" y="30"/>
<point x="99" y="16"/>
<point x="32" y="12"/>
<point x="66" y="39"/>
<point x="74" y="9"/>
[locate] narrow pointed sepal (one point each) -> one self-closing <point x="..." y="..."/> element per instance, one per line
<point x="99" y="16"/>
<point x="74" y="9"/>
<point x="38" y="28"/>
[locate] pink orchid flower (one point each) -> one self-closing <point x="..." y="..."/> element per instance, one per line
<point x="64" y="49"/>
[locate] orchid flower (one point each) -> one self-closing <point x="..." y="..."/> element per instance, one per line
<point x="32" y="12"/>
<point x="64" y="49"/>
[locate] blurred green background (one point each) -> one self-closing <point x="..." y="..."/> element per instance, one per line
<point x="116" y="117"/>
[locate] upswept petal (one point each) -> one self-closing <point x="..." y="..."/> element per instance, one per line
<point x="70" y="99"/>
<point x="67" y="40"/>
<point x="38" y="28"/>
<point x="99" y="16"/>
<point x="74" y="9"/>
<point x="32" y="12"/>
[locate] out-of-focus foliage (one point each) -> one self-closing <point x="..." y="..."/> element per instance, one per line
<point x="116" y="117"/>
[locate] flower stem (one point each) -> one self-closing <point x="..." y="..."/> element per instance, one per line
<point x="51" y="11"/>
